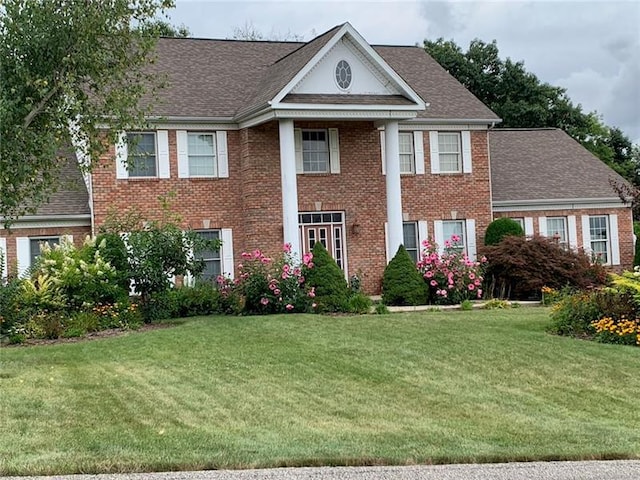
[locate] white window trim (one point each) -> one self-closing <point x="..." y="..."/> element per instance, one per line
<point x="465" y="147"/>
<point x="226" y="256"/>
<point x="163" y="169"/>
<point x="5" y="260"/>
<point x="222" y="153"/>
<point x="333" y="145"/>
<point x="613" y="241"/>
<point x="418" y="153"/>
<point x="469" y="233"/>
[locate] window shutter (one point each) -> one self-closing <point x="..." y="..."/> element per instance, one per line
<point x="163" y="154"/>
<point x="528" y="226"/>
<point x="386" y="240"/>
<point x="615" y="241"/>
<point x="586" y="234"/>
<point x="182" y="145"/>
<point x="466" y="151"/>
<point x="66" y="238"/>
<point x="227" y="252"/>
<point x="3" y="255"/>
<point x="223" y="154"/>
<point x="23" y="254"/>
<point x="434" y="154"/>
<point x="334" y="150"/>
<point x="382" y="153"/>
<point x="297" y="138"/>
<point x="542" y="226"/>
<point x="418" y="150"/>
<point x="423" y="235"/>
<point x="573" y="233"/>
<point x="122" y="152"/>
<point x="471" y="238"/>
<point x="438" y="233"/>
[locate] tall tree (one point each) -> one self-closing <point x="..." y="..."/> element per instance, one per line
<point x="67" y="66"/>
<point x="522" y="100"/>
<point x="162" y="28"/>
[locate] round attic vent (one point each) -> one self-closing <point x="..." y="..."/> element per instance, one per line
<point x="343" y="74"/>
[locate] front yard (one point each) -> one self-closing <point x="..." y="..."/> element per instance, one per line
<point x="237" y="392"/>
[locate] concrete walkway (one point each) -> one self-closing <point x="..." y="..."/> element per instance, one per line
<point x="593" y="470"/>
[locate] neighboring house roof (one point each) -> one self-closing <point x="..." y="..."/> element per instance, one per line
<point x="545" y="164"/>
<point x="225" y="79"/>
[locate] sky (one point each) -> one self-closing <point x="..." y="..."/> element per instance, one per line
<point x="591" y="48"/>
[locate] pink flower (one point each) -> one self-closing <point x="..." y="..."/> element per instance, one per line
<point x="471" y="286"/>
<point x="286" y="248"/>
<point x="240" y="266"/>
<point x="257" y="253"/>
<point x="297" y="271"/>
<point x="289" y="306"/>
<point x="479" y="292"/>
<point x="264" y="301"/>
<point x="310" y="265"/>
<point x="447" y="244"/>
<point x="429" y="274"/>
<point x="433" y="283"/>
<point x="246" y="255"/>
<point x="300" y="279"/>
<point x="272" y="286"/>
<point x="472" y="276"/>
<point x="285" y="268"/>
<point x="306" y="258"/>
<point x="285" y="275"/>
<point x="483" y="259"/>
<point x="276" y="291"/>
<point x="312" y="292"/>
<point x="477" y="282"/>
<point x="314" y="305"/>
<point x="455" y="238"/>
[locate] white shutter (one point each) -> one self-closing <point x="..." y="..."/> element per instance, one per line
<point x="382" y="153"/>
<point x="615" y="241"/>
<point x="182" y="145"/>
<point x="3" y="255"/>
<point x="528" y="226"/>
<point x="164" y="170"/>
<point x="223" y="154"/>
<point x="297" y="139"/>
<point x="386" y="241"/>
<point x="573" y="232"/>
<point x="438" y="233"/>
<point x="471" y="238"/>
<point x="586" y="235"/>
<point x="66" y="239"/>
<point x="418" y="150"/>
<point x="122" y="153"/>
<point x="227" y="252"/>
<point x="466" y="152"/>
<point x="23" y="254"/>
<point x="334" y="150"/>
<point x="423" y="235"/>
<point x="542" y="226"/>
<point x="434" y="154"/>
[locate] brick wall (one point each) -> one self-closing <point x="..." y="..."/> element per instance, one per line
<point x="625" y="227"/>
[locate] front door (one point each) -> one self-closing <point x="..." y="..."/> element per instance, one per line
<point x="326" y="228"/>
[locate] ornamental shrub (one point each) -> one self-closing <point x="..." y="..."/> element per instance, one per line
<point x="636" y="231"/>
<point x="402" y="284"/>
<point x="114" y="250"/>
<point x="328" y="282"/>
<point x="500" y="228"/>
<point x="451" y="276"/>
<point x="518" y="268"/>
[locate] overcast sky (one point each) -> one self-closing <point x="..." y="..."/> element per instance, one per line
<point x="592" y="48"/>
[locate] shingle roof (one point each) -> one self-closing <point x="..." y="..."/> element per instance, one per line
<point x="545" y="164"/>
<point x="228" y="78"/>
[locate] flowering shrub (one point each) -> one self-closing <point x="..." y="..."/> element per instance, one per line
<point x="624" y="331"/>
<point x="451" y="276"/>
<point x="272" y="286"/>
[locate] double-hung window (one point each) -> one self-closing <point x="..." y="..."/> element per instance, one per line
<point x="557" y="229"/>
<point x="407" y="157"/>
<point x="410" y="239"/>
<point x="450" y="152"/>
<point x="142" y="154"/>
<point x="315" y="151"/>
<point x="210" y="256"/>
<point x="36" y="245"/>
<point x="453" y="231"/>
<point x="600" y="238"/>
<point x="202" y="154"/>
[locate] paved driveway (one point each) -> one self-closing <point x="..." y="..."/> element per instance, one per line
<point x="595" y="470"/>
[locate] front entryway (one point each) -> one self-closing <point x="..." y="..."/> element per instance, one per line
<point x="326" y="228"/>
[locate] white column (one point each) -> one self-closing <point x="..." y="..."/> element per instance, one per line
<point x="394" y="192"/>
<point x="289" y="186"/>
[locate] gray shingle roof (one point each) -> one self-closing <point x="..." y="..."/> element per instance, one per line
<point x="545" y="164"/>
<point x="229" y="78"/>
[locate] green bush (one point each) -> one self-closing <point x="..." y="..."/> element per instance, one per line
<point x="81" y="323"/>
<point x="359" y="303"/>
<point x="500" y="228"/>
<point x="11" y="313"/>
<point x="636" y="231"/>
<point x="113" y="250"/>
<point x="201" y="299"/>
<point x="402" y="284"/>
<point x="327" y="281"/>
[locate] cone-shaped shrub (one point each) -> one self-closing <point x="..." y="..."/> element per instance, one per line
<point x="330" y="286"/>
<point x="636" y="230"/>
<point x="500" y="228"/>
<point x="402" y="284"/>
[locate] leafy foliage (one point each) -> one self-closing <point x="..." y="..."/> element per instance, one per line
<point x="500" y="228"/>
<point x="402" y="284"/>
<point x="518" y="268"/>
<point x="72" y="63"/>
<point x="330" y="286"/>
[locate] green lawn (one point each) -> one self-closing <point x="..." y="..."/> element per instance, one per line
<point x="234" y="392"/>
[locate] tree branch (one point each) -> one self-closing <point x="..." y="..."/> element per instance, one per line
<point x="40" y="106"/>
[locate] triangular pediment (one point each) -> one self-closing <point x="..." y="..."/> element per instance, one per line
<point x="347" y="67"/>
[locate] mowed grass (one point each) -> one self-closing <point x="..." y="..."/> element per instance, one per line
<point x="234" y="392"/>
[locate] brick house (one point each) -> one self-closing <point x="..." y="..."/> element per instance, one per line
<point x="360" y="147"/>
